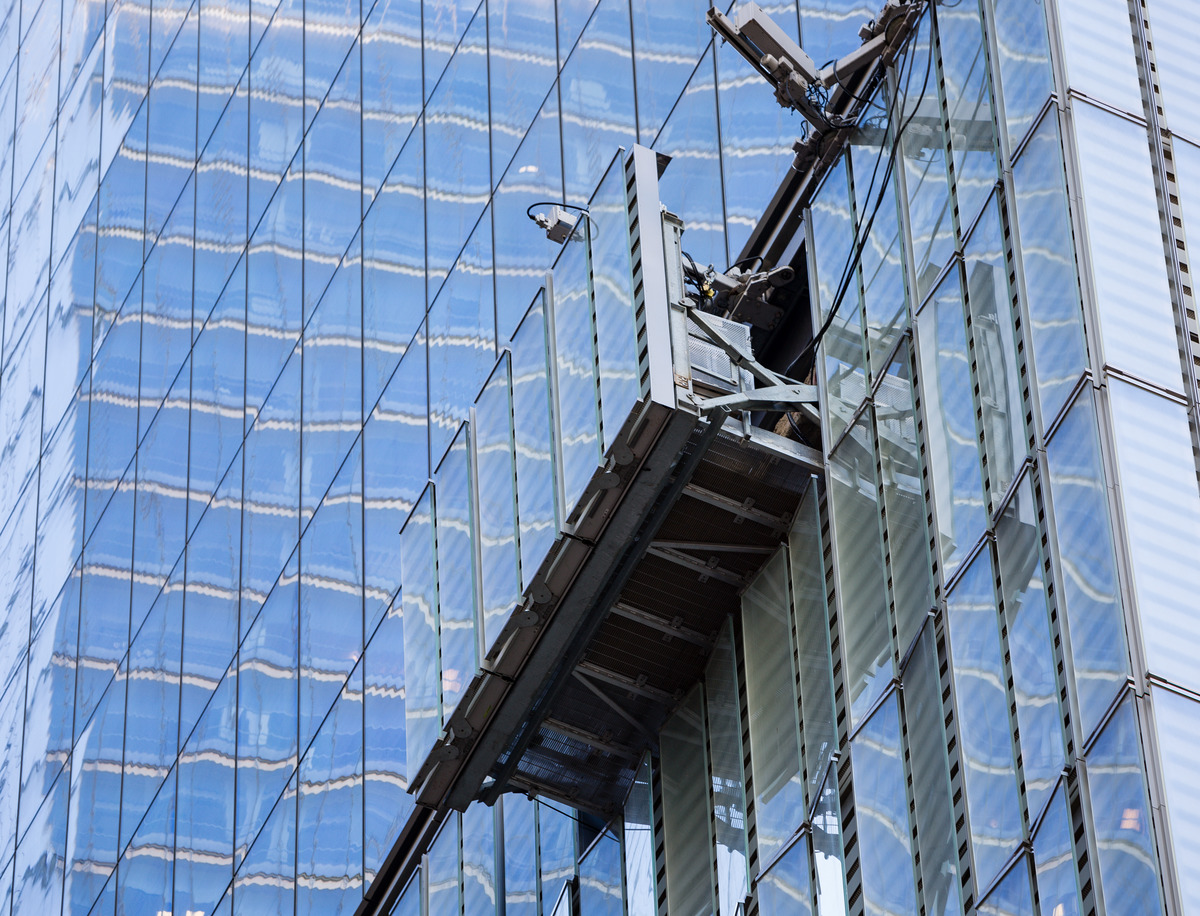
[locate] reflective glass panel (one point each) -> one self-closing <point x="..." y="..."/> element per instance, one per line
<point x="1054" y="858"/>
<point x="771" y="700"/>
<point x="1178" y="721"/>
<point x="685" y="810"/>
<point x="728" y="783"/>
<point x="456" y="573"/>
<point x="422" y="673"/>
<point x="786" y="888"/>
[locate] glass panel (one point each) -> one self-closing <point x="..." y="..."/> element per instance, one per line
<point x="1178" y="722"/>
<point x="692" y="184"/>
<point x="930" y="210"/>
<point x="936" y="840"/>
<point x="832" y="240"/>
<point x="495" y="462"/>
<point x="1162" y="518"/>
<point x="522" y="252"/>
<point x="945" y="366"/>
<point x="331" y="597"/>
<point x="521" y="68"/>
<point x="458" y="177"/>
<point x="1051" y="281"/>
<point x="771" y="701"/>
<point x="600" y="878"/>
<point x="641" y="895"/>
<point x="556" y="844"/>
<point x="462" y="335"/>
<point x="667" y="40"/>
<point x="755" y="133"/>
<point x="1031" y="654"/>
<point x="578" y="386"/>
<point x="221" y="195"/>
<point x="786" y="888"/>
<point x="729" y="786"/>
<point x="479" y="861"/>
<point x="266" y="880"/>
<point x="1024" y="59"/>
<point x="830" y="27"/>
<point x="903" y="499"/>
<point x="882" y="264"/>
<point x="1177" y="69"/>
<point x="455" y="573"/>
<point x="533" y="437"/>
<point x="1137" y="323"/>
<point x="396" y="467"/>
<point x="422" y="673"/>
<point x="807" y="562"/>
<point x="827" y="849"/>
<point x="393" y="269"/>
<point x="444" y="22"/>
<point x="1054" y="858"/>
<point x="686" y="838"/>
<point x="862" y="588"/>
<point x="391" y="72"/>
<point x="41" y="860"/>
<point x="969" y="104"/>
<point x="520" y="855"/>
<point x="1089" y="579"/>
<point x="988" y="300"/>
<point x="1121" y="815"/>
<point x="883" y="826"/>
<point x="443" y="870"/>
<point x="598" y="108"/>
<point x="612" y="284"/>
<point x="147" y="871"/>
<point x="993" y="804"/>
<point x="386" y="803"/>
<point x="1013" y="896"/>
<point x="1098" y="40"/>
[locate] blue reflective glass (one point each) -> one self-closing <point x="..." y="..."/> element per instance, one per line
<point x="95" y="802"/>
<point x="41" y="858"/>
<point x="495" y="464"/>
<point x="879" y="795"/>
<point x="144" y="880"/>
<point x="271" y="489"/>
<point x="277" y="102"/>
<point x="1079" y="494"/>
<point x="151" y="672"/>
<point x="223" y="52"/>
<point x="69" y="332"/>
<point x="265" y="882"/>
<point x="668" y="39"/>
<point x="479" y="874"/>
<point x="1025" y="76"/>
<point x="456" y="573"/>
<point x="210" y="627"/>
<point x="221" y="177"/>
<point x="598" y="107"/>
<point x="522" y="250"/>
<point x="556" y="852"/>
<point x="444" y="22"/>
<point x="692" y="183"/>
<point x="391" y="72"/>
<point x="458" y="178"/>
<point x="332" y="168"/>
<point x="1121" y="814"/>
<point x="422" y="674"/>
<point x="534" y="441"/>
<point x="393" y="249"/>
<point x="267" y="733"/>
<point x="171" y="141"/>
<point x="329" y="859"/>
<point x="1013" y="896"/>
<point x="1054" y="858"/>
<point x="396" y="467"/>
<point x="786" y="887"/>
<point x="386" y="804"/>
<point x="1051" y="280"/>
<point x="330" y="27"/>
<point x="520" y="855"/>
<point x="121" y="221"/>
<point x="332" y="396"/>
<point x="600" y="878"/>
<point x="574" y="348"/>
<point x="444" y="869"/>
<point x="1030" y="650"/>
<point x="637" y="830"/>
<point x="462" y="334"/>
<point x="521" y="69"/>
<point x="989" y="768"/>
<point x="829" y="27"/>
<point x="77" y="165"/>
<point x="331" y="595"/>
<point x="204" y="818"/>
<point x="953" y="454"/>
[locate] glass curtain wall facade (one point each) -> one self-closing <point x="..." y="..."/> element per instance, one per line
<point x="261" y="259"/>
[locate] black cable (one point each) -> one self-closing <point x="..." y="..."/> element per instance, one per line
<point x="860" y="243"/>
<point x="587" y="214"/>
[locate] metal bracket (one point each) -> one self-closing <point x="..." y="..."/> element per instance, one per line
<point x="775" y="397"/>
<point x="740" y="357"/>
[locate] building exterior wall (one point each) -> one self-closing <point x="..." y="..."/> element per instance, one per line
<point x="261" y="260"/>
